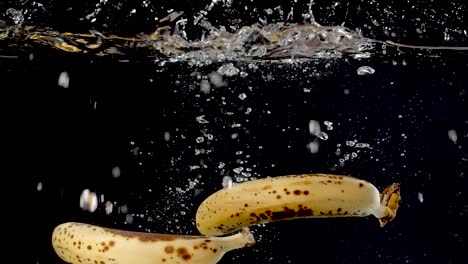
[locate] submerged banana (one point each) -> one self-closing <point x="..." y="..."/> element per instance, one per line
<point x="294" y="196"/>
<point x="87" y="244"/>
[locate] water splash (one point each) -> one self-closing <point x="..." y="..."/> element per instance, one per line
<point x="276" y="42"/>
<point x="250" y="43"/>
<point x="16" y="16"/>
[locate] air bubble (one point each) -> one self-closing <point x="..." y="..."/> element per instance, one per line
<point x="88" y="200"/>
<point x="322" y="135"/>
<point x="216" y="79"/>
<point x="313" y="146"/>
<point x="420" y="197"/>
<point x="452" y="134"/>
<point x="64" y="80"/>
<point x="328" y="124"/>
<point x="167" y="136"/>
<point x="205" y="86"/>
<point x="227" y="182"/>
<point x="314" y="127"/>
<point x="364" y="70"/>
<point x="116" y="171"/>
<point x="109" y="207"/>
<point x="238" y="170"/>
<point x="362" y="145"/>
<point x="201" y="119"/>
<point x="228" y="69"/>
<point x="129" y="219"/>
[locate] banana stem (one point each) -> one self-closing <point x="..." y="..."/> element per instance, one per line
<point x="389" y="203"/>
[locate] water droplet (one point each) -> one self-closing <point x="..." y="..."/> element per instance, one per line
<point x="200" y="139"/>
<point x="242" y="96"/>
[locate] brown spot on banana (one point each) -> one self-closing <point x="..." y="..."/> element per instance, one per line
<point x="314" y="195"/>
<point x="112" y="246"/>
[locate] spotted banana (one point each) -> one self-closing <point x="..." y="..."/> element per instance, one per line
<point x="295" y="196"/>
<point x="79" y="243"/>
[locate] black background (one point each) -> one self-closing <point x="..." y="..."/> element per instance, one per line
<point x="55" y="136"/>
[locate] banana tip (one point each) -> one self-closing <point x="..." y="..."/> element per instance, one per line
<point x="248" y="236"/>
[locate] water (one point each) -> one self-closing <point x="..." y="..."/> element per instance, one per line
<point x="154" y="107"/>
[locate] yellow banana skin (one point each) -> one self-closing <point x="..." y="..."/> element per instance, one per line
<point x="294" y="196"/>
<point x="79" y="243"/>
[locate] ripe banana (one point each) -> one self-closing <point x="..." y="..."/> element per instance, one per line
<point x="291" y="197"/>
<point x="79" y="243"/>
